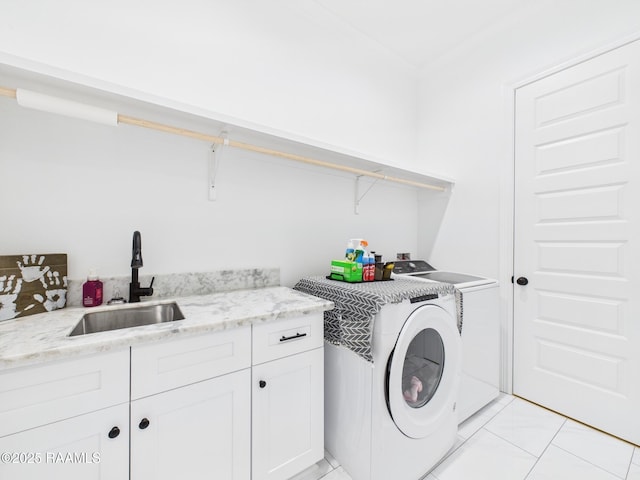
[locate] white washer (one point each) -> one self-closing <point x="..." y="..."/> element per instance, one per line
<point x="377" y="424"/>
<point x="480" y="379"/>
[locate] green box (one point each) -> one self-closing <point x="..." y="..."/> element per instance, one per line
<point x="346" y="271"/>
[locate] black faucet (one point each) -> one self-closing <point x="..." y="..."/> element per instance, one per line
<point x="135" y="290"/>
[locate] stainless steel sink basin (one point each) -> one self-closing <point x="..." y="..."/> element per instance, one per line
<point x="107" y="320"/>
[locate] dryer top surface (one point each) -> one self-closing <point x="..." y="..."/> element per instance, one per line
<point x="420" y="269"/>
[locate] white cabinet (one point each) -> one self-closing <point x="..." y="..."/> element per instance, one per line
<point x="201" y="431"/>
<point x="239" y="404"/>
<point x="287" y="398"/>
<point x="67" y="419"/>
<point x="287" y="414"/>
<point x="159" y="367"/>
<point x="37" y="395"/>
<point x="87" y="447"/>
<point x="191" y="407"/>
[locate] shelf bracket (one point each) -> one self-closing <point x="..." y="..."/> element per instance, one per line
<point x="357" y="198"/>
<point x="214" y="163"/>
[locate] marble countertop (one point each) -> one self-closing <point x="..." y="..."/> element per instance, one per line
<point x="44" y="337"/>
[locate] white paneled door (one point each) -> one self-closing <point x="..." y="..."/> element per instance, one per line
<point x="577" y="242"/>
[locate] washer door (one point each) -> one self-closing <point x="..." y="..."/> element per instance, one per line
<point x="424" y="371"/>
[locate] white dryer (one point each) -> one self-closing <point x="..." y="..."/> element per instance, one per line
<point x="480" y="377"/>
<point x="395" y="418"/>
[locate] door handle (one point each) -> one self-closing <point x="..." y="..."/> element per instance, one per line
<point x="522" y="281"/>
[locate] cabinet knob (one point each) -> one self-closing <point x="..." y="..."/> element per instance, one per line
<point x="114" y="432"/>
<point x="522" y="280"/>
<point x="144" y="423"/>
<point x="262" y="383"/>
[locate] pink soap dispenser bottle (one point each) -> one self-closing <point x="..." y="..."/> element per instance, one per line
<point x="92" y="290"/>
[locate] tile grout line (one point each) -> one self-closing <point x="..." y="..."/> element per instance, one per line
<point x="593" y="464"/>
<point x="633" y="454"/>
<point x="483" y="424"/>
<point x="517" y="446"/>
<point x="577" y="421"/>
<point x="465" y="440"/>
<point x="514" y="445"/>
<point x="629" y="467"/>
<point x="330" y="471"/>
<point x="546" y="448"/>
<point x="590" y="427"/>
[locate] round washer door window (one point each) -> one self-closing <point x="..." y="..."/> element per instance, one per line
<point x="424" y="371"/>
<point x="423" y="368"/>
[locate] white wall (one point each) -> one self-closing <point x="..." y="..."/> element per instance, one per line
<point x="466" y="118"/>
<point x="70" y="186"/>
<point x="285" y="64"/>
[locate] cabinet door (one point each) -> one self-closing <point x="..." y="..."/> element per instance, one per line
<point x="287" y="415"/>
<point x="80" y="448"/>
<point x="201" y="431"/>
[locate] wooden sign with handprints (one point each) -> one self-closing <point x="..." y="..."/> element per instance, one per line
<point x="31" y="284"/>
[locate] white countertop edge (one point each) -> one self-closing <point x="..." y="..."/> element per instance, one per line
<point x="44" y="337"/>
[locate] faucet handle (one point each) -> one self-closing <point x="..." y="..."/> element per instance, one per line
<point x="149" y="290"/>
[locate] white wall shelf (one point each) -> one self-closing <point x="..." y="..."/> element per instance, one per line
<point x="17" y="73"/>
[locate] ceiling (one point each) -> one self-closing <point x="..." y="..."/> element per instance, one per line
<point x="420" y="30"/>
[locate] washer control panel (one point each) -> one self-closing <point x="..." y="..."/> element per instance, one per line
<point x="411" y="266"/>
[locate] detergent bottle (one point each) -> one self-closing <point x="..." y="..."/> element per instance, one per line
<point x="360" y="246"/>
<point x="350" y="253"/>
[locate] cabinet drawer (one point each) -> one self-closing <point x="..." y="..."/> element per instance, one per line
<point x="38" y="395"/>
<point x="163" y="366"/>
<point x="281" y="338"/>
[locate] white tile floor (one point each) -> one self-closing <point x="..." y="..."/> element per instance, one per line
<point x="512" y="439"/>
